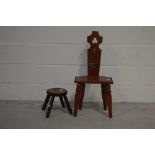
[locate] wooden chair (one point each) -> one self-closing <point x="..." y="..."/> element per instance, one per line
<point x="94" y="57"/>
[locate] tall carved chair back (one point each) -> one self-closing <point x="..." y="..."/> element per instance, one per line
<point x="94" y="54"/>
<point x="93" y="62"/>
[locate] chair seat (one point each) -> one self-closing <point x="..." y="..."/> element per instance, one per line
<point x="93" y="79"/>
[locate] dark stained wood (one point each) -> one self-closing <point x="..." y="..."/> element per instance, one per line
<point x="93" y="63"/>
<point x="62" y="101"/>
<point x="94" y="53"/>
<point x="104" y="97"/>
<point x="93" y="79"/>
<point x="68" y="104"/>
<point x="94" y="58"/>
<point x="77" y="98"/>
<point x="50" y="106"/>
<point x="56" y="92"/>
<point x="108" y="97"/>
<point x="46" y="102"/>
<point x="91" y="40"/>
<point x="82" y="95"/>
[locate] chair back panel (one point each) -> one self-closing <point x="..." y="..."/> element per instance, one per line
<point x="94" y="54"/>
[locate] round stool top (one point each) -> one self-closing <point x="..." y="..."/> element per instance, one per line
<point x="57" y="91"/>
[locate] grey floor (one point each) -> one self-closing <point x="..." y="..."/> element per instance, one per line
<point x="28" y="115"/>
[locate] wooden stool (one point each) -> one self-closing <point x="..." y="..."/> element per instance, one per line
<point x="56" y="92"/>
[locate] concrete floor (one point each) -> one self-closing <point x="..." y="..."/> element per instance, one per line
<point x="28" y="115"/>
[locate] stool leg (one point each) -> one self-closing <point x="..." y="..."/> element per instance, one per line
<point x="50" y="107"/>
<point x="104" y="97"/>
<point x="68" y="104"/>
<point x="82" y="95"/>
<point x="46" y="102"/>
<point x="62" y="102"/>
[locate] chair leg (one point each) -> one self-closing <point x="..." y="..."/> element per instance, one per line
<point x="82" y="95"/>
<point x="109" y="100"/>
<point x="50" y="107"/>
<point x="104" y="97"/>
<point x="77" y="98"/>
<point x="46" y="102"/>
<point x="62" y="102"/>
<point x="68" y="104"/>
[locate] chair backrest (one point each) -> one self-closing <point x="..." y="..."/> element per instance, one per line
<point x="94" y="54"/>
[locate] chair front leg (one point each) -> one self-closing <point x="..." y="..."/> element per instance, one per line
<point x="104" y="97"/>
<point x="77" y="98"/>
<point x="109" y="99"/>
<point x="82" y="95"/>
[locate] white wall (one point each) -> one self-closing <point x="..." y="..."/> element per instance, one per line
<point x="33" y="59"/>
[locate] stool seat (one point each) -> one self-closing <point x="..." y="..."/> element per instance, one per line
<point x="57" y="91"/>
<point x="51" y="94"/>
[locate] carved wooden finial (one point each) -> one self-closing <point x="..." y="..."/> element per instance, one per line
<point x="94" y="38"/>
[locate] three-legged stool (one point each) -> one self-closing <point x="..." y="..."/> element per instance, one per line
<point x="56" y="92"/>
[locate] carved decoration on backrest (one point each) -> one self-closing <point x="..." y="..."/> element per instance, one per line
<point x="94" y="53"/>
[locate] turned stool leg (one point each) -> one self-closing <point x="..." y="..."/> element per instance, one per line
<point x="109" y="100"/>
<point x="46" y="102"/>
<point x="77" y="98"/>
<point x="82" y="95"/>
<point x="68" y="105"/>
<point x="62" y="102"/>
<point x="103" y="97"/>
<point x="50" y="106"/>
